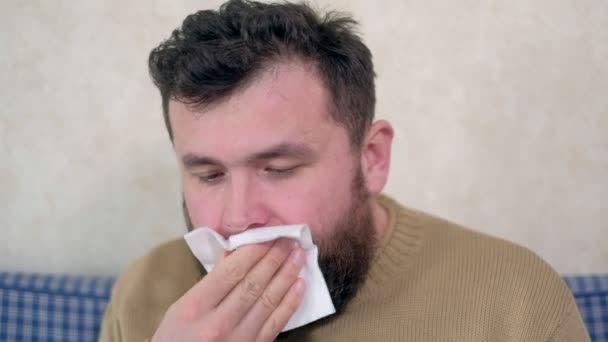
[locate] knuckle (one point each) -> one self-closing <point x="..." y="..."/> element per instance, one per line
<point x="293" y="271"/>
<point x="292" y="303"/>
<point x="251" y="288"/>
<point x="274" y="324"/>
<point x="275" y="261"/>
<point x="233" y="273"/>
<point x="269" y="302"/>
<point x="211" y="335"/>
<point x="273" y="328"/>
<point x="214" y="332"/>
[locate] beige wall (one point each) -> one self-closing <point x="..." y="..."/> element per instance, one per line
<point x="500" y="110"/>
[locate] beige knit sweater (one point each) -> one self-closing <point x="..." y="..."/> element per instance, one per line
<point x="431" y="280"/>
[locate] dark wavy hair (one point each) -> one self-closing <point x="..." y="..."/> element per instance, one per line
<point x="215" y="53"/>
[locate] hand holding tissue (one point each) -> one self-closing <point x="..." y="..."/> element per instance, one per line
<point x="208" y="247"/>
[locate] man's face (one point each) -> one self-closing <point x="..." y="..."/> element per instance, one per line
<point x="271" y="155"/>
<point x="268" y="155"/>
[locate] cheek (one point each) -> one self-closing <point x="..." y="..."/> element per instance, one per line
<point x="203" y="211"/>
<point x="320" y="202"/>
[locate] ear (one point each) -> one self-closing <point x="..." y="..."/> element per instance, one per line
<point x="376" y="156"/>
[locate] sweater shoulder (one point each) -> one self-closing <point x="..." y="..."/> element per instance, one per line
<point x="506" y="278"/>
<point x="479" y="251"/>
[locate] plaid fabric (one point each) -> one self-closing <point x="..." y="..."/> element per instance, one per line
<point x="35" y="307"/>
<point x="591" y="294"/>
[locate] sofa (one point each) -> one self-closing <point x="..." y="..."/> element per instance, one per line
<point x="46" y="307"/>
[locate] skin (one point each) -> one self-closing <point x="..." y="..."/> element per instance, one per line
<point x="268" y="155"/>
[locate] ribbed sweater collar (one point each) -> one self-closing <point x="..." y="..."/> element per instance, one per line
<point x="395" y="252"/>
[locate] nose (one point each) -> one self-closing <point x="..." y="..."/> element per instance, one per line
<point x="243" y="206"/>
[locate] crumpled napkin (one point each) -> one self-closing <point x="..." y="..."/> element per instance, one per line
<point x="208" y="246"/>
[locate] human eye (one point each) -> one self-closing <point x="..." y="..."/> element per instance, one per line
<point x="280" y="170"/>
<point x="210" y="177"/>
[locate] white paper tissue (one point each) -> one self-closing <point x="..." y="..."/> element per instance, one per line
<point x="208" y="246"/>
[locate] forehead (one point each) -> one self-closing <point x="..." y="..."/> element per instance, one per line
<point x="286" y="102"/>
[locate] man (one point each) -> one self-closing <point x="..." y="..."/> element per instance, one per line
<point x="270" y="110"/>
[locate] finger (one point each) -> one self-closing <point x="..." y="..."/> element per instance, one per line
<point x="223" y="256"/>
<point x="279" y="318"/>
<point x="273" y="295"/>
<point x="228" y="272"/>
<point x="247" y="292"/>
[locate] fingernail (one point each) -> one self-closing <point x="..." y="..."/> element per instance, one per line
<point x="298" y="257"/>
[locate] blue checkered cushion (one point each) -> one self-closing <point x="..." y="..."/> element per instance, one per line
<point x="35" y="307"/>
<point x="591" y="294"/>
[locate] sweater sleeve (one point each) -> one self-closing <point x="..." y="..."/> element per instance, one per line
<point x="571" y="328"/>
<point x="145" y="290"/>
<point x="110" y="327"/>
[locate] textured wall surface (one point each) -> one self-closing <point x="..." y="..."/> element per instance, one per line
<point x="500" y="110"/>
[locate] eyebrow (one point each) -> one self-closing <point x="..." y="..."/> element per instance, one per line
<point x="282" y="150"/>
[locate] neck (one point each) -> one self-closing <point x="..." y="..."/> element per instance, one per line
<point x="380" y="218"/>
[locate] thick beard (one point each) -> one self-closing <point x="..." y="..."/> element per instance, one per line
<point x="345" y="256"/>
